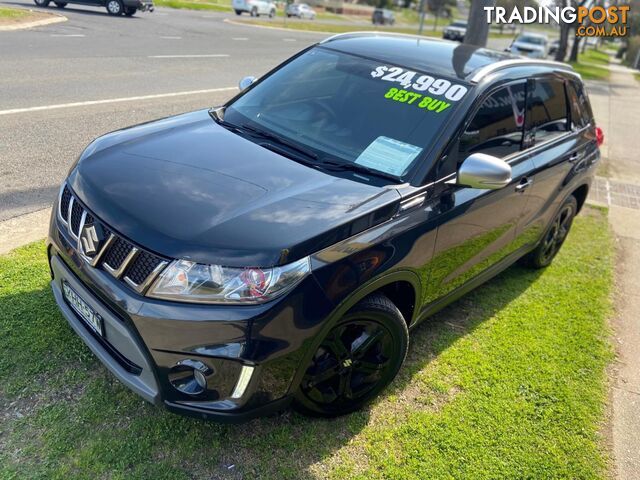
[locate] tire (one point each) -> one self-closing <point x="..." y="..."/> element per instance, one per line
<point x="345" y="372"/>
<point x="272" y="13"/>
<point x="41" y="3"/>
<point x="238" y="12"/>
<point x="254" y="12"/>
<point x="114" y="7"/>
<point x="554" y="236"/>
<point x="60" y="4"/>
<point x="130" y="11"/>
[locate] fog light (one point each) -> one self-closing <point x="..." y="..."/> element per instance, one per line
<point x="190" y="376"/>
<point x="200" y="380"/>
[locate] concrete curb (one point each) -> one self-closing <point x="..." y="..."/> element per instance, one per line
<point x="56" y="18"/>
<point x="24" y="229"/>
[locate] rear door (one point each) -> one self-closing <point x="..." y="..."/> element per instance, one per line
<point x="479" y="228"/>
<point x="557" y="140"/>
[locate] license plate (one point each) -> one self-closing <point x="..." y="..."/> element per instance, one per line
<point x="84" y="311"/>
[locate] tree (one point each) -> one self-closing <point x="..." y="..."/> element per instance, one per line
<point x="477" y="25"/>
<point x="436" y="7"/>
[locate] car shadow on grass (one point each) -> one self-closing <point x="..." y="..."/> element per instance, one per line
<point x="62" y="411"/>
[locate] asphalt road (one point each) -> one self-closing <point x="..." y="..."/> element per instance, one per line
<point x="94" y="57"/>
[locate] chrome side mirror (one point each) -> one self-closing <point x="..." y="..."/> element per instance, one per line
<point x="484" y="171"/>
<point x="246" y="83"/>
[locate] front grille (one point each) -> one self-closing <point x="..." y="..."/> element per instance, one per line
<point x="114" y="250"/>
<point x="76" y="217"/>
<point x="117" y="253"/>
<point x="64" y="201"/>
<point x="143" y="266"/>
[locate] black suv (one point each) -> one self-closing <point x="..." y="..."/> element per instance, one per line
<point x="225" y="262"/>
<point x="114" y="7"/>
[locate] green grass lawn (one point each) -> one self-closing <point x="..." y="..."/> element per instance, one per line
<point x="592" y="65"/>
<point x="509" y="382"/>
<point x="595" y="56"/>
<point x="195" y="5"/>
<point x="313" y="26"/>
<point x="12" y="13"/>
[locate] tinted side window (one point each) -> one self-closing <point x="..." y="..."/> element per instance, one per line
<point x="497" y="127"/>
<point x="580" y="109"/>
<point x="547" y="110"/>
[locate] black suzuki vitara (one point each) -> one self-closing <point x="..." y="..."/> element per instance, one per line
<point x="279" y="248"/>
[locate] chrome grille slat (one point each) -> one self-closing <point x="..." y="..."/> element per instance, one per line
<point x="136" y="267"/>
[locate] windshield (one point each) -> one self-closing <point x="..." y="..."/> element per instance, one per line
<point x="459" y="24"/>
<point x="533" y="40"/>
<point x="350" y="110"/>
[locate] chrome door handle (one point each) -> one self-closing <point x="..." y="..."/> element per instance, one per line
<point x="524" y="184"/>
<point x="575" y="157"/>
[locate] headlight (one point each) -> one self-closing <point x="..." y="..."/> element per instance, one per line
<point x="186" y="281"/>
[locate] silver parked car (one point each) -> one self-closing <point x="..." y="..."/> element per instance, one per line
<point x="534" y="45"/>
<point x="456" y="31"/>
<point x="255" y="7"/>
<point x="301" y="10"/>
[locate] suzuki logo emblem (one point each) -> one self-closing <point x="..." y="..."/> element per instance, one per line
<point x="89" y="240"/>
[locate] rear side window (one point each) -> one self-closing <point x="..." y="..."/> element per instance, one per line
<point x="547" y="110"/>
<point x="579" y="104"/>
<point x="496" y="128"/>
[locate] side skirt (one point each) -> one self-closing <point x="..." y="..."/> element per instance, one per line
<point x="475" y="282"/>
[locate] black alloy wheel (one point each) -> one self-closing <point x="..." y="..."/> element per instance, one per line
<point x="555" y="235"/>
<point x="357" y="359"/>
<point x="60" y="4"/>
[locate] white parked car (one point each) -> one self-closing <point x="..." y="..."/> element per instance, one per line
<point x="255" y="7"/>
<point x="532" y="45"/>
<point x="300" y="10"/>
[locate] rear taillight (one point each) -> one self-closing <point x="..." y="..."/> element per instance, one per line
<point x="599" y="136"/>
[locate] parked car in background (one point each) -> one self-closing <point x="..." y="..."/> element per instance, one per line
<point x="553" y="47"/>
<point x="534" y="45"/>
<point x="382" y="16"/>
<point x="228" y="261"/>
<point x="456" y="31"/>
<point x="255" y="8"/>
<point x="114" y="7"/>
<point x="301" y="10"/>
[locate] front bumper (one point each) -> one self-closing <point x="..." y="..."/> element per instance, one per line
<point x="145" y="341"/>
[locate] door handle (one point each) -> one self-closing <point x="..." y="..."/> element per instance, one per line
<point x="524" y="184"/>
<point x="575" y="157"/>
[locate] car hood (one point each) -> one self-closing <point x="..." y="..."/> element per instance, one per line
<point x="185" y="187"/>
<point x="455" y="29"/>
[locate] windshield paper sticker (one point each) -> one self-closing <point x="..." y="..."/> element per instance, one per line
<point x="388" y="155"/>
<point x="425" y="102"/>
<point x="425" y="84"/>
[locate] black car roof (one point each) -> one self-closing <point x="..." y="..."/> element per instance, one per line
<point x="431" y="55"/>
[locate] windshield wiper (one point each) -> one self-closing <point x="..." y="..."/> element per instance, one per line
<point x="355" y="167"/>
<point x="278" y="139"/>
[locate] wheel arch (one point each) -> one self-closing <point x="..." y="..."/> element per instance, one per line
<point x="397" y="284"/>
<point x="581" y="194"/>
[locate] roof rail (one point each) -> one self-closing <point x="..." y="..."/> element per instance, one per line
<point x="378" y="33"/>
<point x="482" y="72"/>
